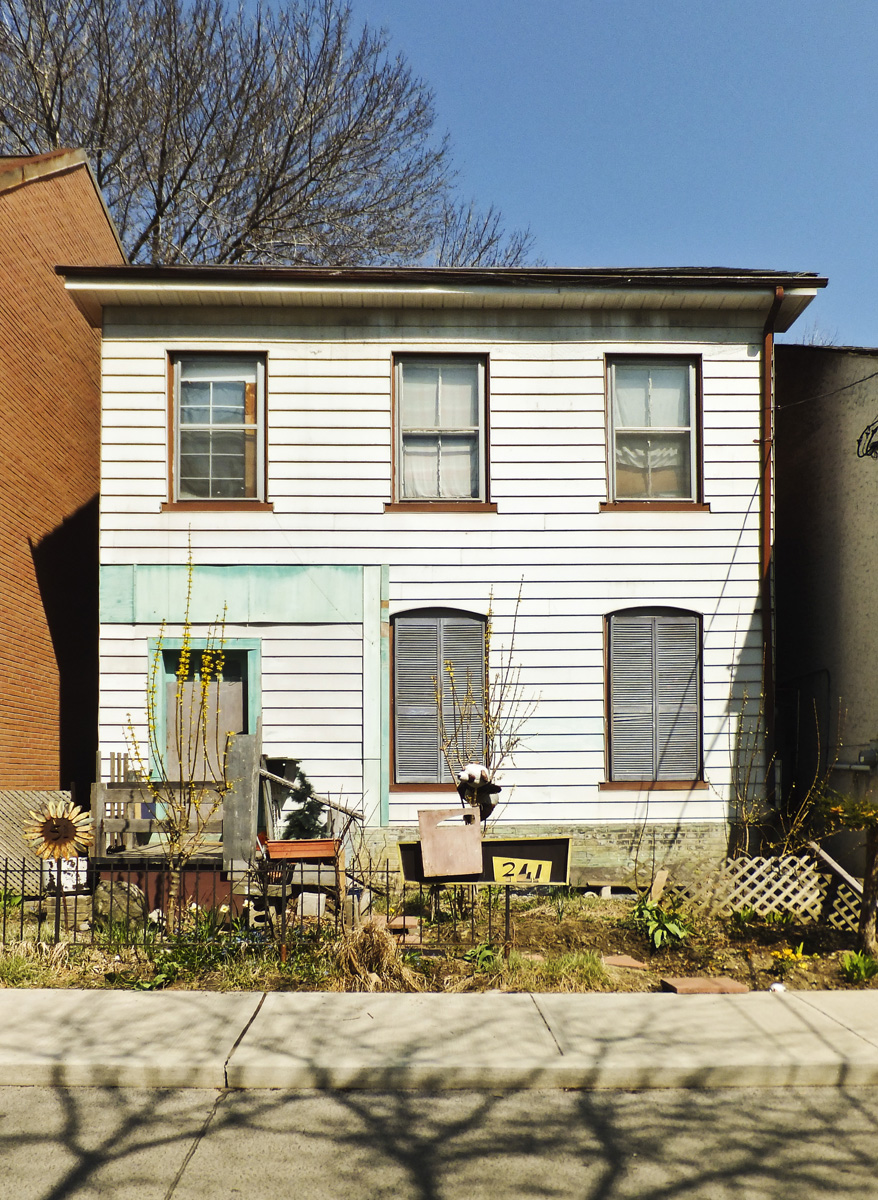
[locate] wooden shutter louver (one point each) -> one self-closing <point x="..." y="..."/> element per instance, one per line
<point x="422" y="647"/>
<point x="677" y="723"/>
<point x="416" y="665"/>
<point x="463" y="646"/>
<point x="632" y="673"/>
<point x="655" y="703"/>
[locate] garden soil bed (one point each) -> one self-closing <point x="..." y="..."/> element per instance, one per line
<point x="747" y="952"/>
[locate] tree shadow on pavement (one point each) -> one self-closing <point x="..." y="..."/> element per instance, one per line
<point x="655" y="1145"/>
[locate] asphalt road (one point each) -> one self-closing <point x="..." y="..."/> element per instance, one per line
<point x="746" y="1144"/>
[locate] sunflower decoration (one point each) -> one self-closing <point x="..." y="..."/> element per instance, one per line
<point x="59" y="830"/>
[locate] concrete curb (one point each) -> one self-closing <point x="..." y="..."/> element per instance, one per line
<point x="310" y="1040"/>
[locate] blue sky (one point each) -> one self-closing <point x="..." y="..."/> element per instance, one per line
<point x="736" y="133"/>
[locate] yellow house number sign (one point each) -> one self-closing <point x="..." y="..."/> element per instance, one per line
<point x="522" y="870"/>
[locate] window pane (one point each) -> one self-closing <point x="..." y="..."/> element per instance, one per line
<point x="669" y="396"/>
<point x="219" y="369"/>
<point x="420" y="396"/>
<point x="652" y="468"/>
<point x="420" y="468"/>
<point x="217" y="465"/>
<point x="459" y="396"/>
<point x="459" y="467"/>
<point x="194" y="403"/>
<point x="630" y="395"/>
<point x="228" y="403"/>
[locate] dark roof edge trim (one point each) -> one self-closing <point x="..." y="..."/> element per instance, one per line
<point x="558" y="277"/>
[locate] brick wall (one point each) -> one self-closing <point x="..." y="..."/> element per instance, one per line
<point x="49" y="390"/>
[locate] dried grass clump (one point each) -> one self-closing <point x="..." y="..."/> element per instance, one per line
<point x="368" y="960"/>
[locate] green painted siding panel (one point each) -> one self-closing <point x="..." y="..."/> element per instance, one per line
<point x="281" y="595"/>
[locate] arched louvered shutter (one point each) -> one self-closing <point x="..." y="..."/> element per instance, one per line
<point x="632" y="675"/>
<point x="423" y="644"/>
<point x="678" y="742"/>
<point x="655" y="703"/>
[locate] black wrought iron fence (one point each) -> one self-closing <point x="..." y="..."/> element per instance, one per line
<point x="138" y="903"/>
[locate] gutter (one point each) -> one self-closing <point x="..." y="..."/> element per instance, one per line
<point x="766" y="439"/>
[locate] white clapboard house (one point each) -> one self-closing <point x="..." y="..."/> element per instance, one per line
<point x="360" y="459"/>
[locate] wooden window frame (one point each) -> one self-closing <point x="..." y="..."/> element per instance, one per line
<point x="695" y="503"/>
<point x="681" y="784"/>
<point x="437" y="786"/>
<point x="400" y="503"/>
<point x="258" y="503"/>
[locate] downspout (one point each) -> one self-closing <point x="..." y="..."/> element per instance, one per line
<point x="766" y="439"/>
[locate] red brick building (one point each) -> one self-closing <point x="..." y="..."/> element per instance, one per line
<point x="51" y="212"/>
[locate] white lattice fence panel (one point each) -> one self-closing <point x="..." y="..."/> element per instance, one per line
<point x="774" y="885"/>
<point x="845" y="912"/>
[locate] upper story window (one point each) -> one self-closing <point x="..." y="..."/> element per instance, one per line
<point x="440" y="428"/>
<point x="653" y="412"/>
<point x="219" y="407"/>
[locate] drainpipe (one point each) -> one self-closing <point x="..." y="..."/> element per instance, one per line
<point x="766" y="439"/>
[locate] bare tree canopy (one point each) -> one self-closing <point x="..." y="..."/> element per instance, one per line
<point x="243" y="137"/>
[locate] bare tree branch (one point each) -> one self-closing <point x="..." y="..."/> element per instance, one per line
<point x="233" y="136"/>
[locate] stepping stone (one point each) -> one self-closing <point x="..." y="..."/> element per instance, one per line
<point x="720" y="985"/>
<point x="402" y="924"/>
<point x="624" y="960"/>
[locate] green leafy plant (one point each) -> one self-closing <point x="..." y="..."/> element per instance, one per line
<point x="663" y="927"/>
<point x="9" y="900"/>
<point x="483" y="957"/>
<point x="561" y="900"/>
<point x="741" y="919"/>
<point x="788" y="958"/>
<point x="857" y="967"/>
<point x="783" y="917"/>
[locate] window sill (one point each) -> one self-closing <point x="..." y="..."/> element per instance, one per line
<point x="217" y="506"/>
<point x="653" y="785"/>
<point x="440" y="506"/>
<point x="444" y="788"/>
<point x="653" y="506"/>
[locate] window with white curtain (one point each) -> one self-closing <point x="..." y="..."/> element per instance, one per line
<point x="653" y="429"/>
<point x="440" y="417"/>
<point x="654" y="717"/>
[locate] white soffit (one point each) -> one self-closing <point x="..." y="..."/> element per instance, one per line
<point x="92" y="295"/>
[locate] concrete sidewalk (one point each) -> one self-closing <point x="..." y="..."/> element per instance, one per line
<point x="328" y="1040"/>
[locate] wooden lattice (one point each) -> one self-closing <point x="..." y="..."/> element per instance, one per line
<point x="845" y="912"/>
<point x="774" y="885"/>
<point x="787" y="884"/>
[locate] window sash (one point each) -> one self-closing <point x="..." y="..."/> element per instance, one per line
<point x="653" y="430"/>
<point x="655" y="697"/>
<point x="440" y="419"/>
<point x="423" y="644"/>
<point x="219" y="407"/>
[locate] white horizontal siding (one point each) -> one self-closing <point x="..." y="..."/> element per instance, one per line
<point x="329" y="441"/>
<point x="311" y="689"/>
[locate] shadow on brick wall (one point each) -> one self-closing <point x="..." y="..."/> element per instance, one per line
<point x="66" y="565"/>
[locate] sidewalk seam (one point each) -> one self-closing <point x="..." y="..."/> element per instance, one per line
<point x="856" y="1032"/>
<point x="196" y="1142"/>
<point x="546" y="1023"/>
<point x="241" y="1037"/>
